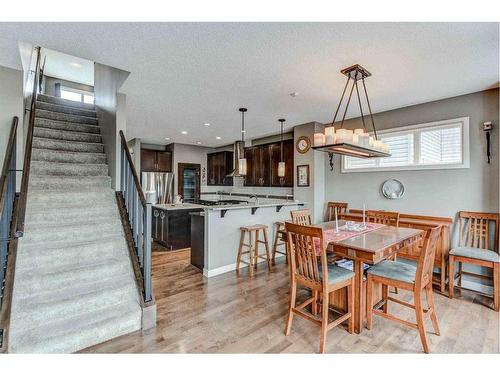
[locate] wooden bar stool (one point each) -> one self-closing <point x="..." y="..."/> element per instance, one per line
<point x="279" y="230"/>
<point x="253" y="247"/>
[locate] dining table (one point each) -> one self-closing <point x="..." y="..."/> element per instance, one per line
<point x="370" y="247"/>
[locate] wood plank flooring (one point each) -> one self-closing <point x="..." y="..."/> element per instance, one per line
<point x="230" y="314"/>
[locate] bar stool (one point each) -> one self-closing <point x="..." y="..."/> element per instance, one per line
<point x="279" y="230"/>
<point x="253" y="247"/>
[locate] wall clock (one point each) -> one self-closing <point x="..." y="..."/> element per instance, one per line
<point x="303" y="144"/>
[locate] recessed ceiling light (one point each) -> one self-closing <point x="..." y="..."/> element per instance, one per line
<point x="218" y="138"/>
<point x="206" y="124"/>
<point x="243" y="131"/>
<point x="294" y="94"/>
<point x="75" y="64"/>
<point x="184" y="132"/>
<point x="198" y="143"/>
<point x="167" y="138"/>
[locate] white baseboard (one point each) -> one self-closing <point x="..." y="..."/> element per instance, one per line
<point x="230" y="267"/>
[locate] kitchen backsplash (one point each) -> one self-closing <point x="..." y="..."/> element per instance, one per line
<point x="238" y="187"/>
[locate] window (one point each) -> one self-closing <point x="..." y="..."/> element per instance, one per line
<point x="77" y="95"/>
<point x="436" y="145"/>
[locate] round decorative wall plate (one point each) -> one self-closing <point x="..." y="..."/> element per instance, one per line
<point x="393" y="189"/>
<point x="303" y="144"/>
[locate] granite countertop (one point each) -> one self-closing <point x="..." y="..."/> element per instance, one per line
<point x="262" y="203"/>
<point x="179" y="206"/>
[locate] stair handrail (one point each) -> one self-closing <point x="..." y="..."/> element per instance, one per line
<point x="139" y="216"/>
<point x="7" y="204"/>
<point x="23" y="193"/>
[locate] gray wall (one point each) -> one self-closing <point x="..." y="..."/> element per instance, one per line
<point x="430" y="192"/>
<point x="314" y="195"/>
<point x="11" y="104"/>
<point x="110" y="107"/>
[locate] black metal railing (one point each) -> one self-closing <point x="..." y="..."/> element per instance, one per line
<point x="23" y="193"/>
<point x="7" y="198"/>
<point x="139" y="216"/>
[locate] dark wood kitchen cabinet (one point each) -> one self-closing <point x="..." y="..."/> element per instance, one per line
<point x="262" y="164"/>
<point x="219" y="165"/>
<point x="156" y="161"/>
<point x="275" y="152"/>
<point x="172" y="228"/>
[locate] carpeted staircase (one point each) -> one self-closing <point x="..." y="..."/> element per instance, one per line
<point x="74" y="285"/>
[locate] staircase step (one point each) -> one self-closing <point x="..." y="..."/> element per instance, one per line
<point x="64" y="102"/>
<point x="70" y="110"/>
<point x="53" y="144"/>
<point x="58" y="198"/>
<point x="55" y="216"/>
<point x="41" y="113"/>
<point x="67" y="183"/>
<point x="70" y="126"/>
<point x="76" y="333"/>
<point x="66" y="135"/>
<point x="32" y="284"/>
<point x="37" y="312"/>
<point x="56" y="255"/>
<point x="71" y="232"/>
<point x="40" y="154"/>
<point x="68" y="169"/>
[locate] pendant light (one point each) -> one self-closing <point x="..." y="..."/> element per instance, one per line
<point x="357" y="143"/>
<point x="281" y="164"/>
<point x="242" y="161"/>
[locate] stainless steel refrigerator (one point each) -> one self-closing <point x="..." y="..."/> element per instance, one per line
<point x="160" y="185"/>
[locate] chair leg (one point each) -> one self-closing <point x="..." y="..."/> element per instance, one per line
<point x="266" y="245"/>
<point x="240" y="250"/>
<point x="275" y="243"/>
<point x="350" y="306"/>
<point x="460" y="274"/>
<point x="496" y="286"/>
<point x="430" y="303"/>
<point x="293" y="295"/>
<point x="314" y="305"/>
<point x="419" y="312"/>
<point x="385" y="295"/>
<point x="369" y="302"/>
<point x="451" y="277"/>
<point x="324" y="322"/>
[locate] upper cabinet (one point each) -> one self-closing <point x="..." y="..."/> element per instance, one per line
<point x="156" y="161"/>
<point x="219" y="165"/>
<point x="262" y="164"/>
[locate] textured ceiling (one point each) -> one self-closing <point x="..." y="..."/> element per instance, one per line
<point x="186" y="74"/>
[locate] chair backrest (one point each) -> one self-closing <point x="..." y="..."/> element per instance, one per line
<point x="330" y="209"/>
<point x="477" y="228"/>
<point x="301" y="217"/>
<point x="383" y="217"/>
<point x="425" y="263"/>
<point x="303" y="259"/>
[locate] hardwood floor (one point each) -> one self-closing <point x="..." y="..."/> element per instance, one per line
<point x="230" y="314"/>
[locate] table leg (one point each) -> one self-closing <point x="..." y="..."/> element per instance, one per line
<point x="358" y="296"/>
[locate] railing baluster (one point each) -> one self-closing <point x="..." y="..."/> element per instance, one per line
<point x="147" y="254"/>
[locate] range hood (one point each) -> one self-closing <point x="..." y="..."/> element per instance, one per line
<point x="239" y="153"/>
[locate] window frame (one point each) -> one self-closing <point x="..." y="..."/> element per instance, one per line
<point x="416" y="130"/>
<point x="77" y="91"/>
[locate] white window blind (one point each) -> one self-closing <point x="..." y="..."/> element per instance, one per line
<point x="441" y="144"/>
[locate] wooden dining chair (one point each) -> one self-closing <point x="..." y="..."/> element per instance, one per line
<point x="330" y="210"/>
<point x="314" y="273"/>
<point x="406" y="276"/>
<point x="475" y="247"/>
<point x="383" y="217"/>
<point x="301" y="217"/>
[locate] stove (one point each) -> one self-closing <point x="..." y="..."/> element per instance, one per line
<point x="222" y="202"/>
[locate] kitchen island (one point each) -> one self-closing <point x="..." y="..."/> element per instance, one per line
<point x="222" y="230"/>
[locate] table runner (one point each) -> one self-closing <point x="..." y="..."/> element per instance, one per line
<point x="329" y="235"/>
